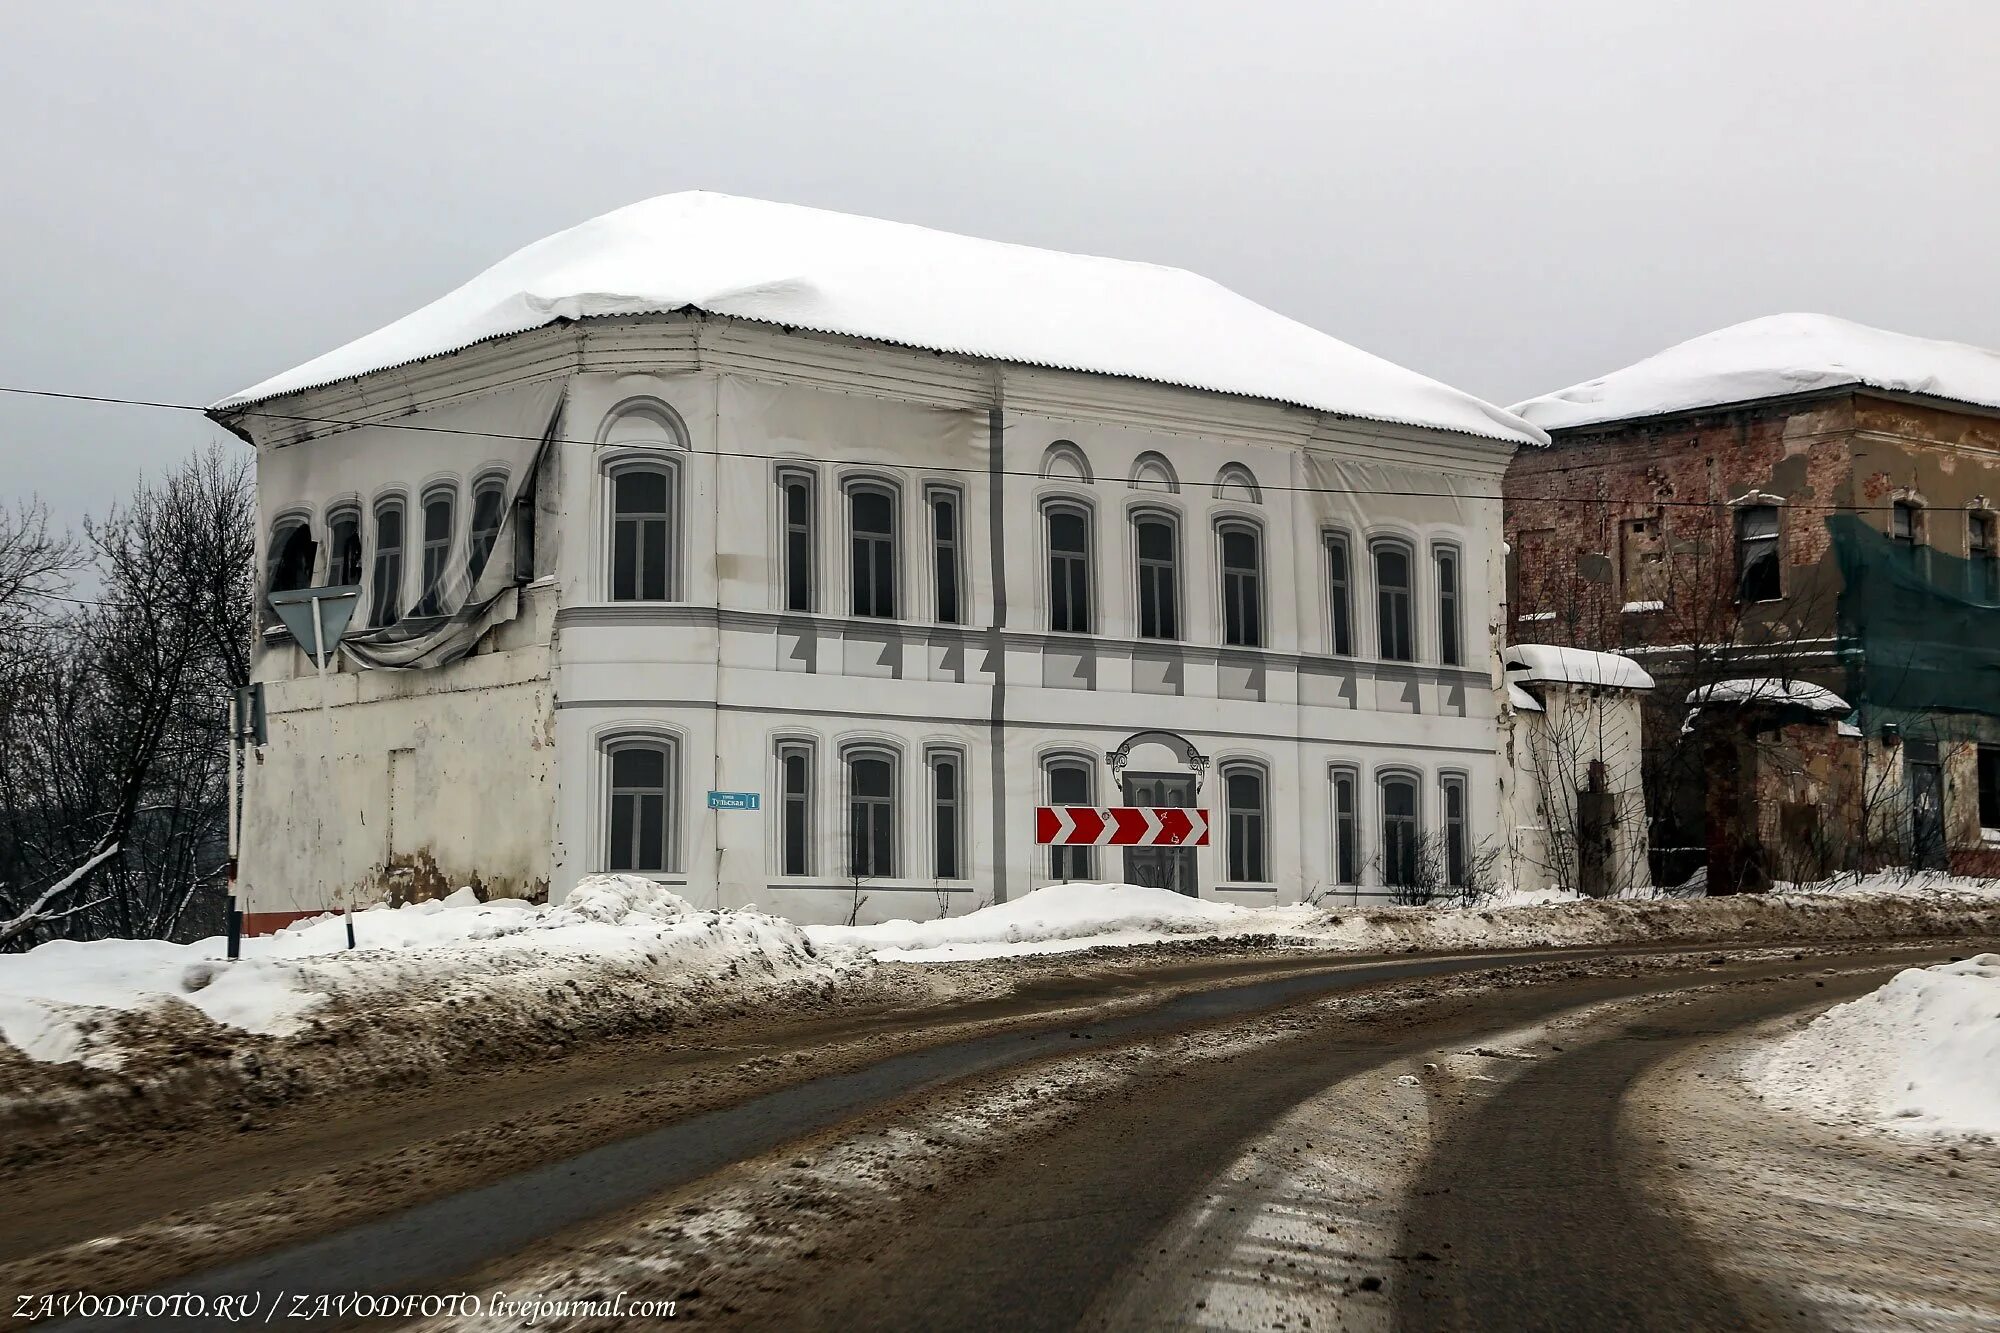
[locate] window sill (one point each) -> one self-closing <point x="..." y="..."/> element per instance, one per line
<point x="819" y="884"/>
<point x="1246" y="888"/>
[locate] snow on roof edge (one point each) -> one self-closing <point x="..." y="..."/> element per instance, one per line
<point x="1574" y="666"/>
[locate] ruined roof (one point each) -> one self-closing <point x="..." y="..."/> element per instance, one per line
<point x="1574" y="666"/>
<point x="892" y="282"/>
<point x="1770" y="692"/>
<point x="1771" y="358"/>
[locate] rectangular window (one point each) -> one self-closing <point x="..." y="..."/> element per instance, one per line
<point x="871" y="815"/>
<point x="1399" y="831"/>
<point x="1340" y="593"/>
<point x="1346" y="830"/>
<point x="1455" y="849"/>
<point x="1982" y="548"/>
<point x="872" y="536"/>
<point x="1989" y="787"/>
<point x="946" y="803"/>
<point x="1243" y="791"/>
<point x="1641" y="561"/>
<point x="641" y="816"/>
<point x="1159" y="591"/>
<point x="945" y="542"/>
<point x="1242" y="589"/>
<point x="1757" y="572"/>
<point x="795" y="501"/>
<point x="388" y="574"/>
<point x="1069" y="784"/>
<point x="795" y="776"/>
<point x="1069" y="570"/>
<point x="642" y="506"/>
<point x="1394" y="632"/>
<point x="1447" y="594"/>
<point x="1904" y="525"/>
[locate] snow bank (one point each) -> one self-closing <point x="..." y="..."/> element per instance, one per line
<point x="836" y="273"/>
<point x="1771" y="357"/>
<point x="1920" y="1056"/>
<point x="1049" y="920"/>
<point x="453" y="951"/>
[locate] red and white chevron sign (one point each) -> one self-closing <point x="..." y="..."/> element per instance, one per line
<point x="1121" y="826"/>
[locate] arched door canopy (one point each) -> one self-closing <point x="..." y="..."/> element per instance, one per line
<point x="1196" y="761"/>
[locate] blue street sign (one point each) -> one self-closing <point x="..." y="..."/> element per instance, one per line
<point x="734" y="800"/>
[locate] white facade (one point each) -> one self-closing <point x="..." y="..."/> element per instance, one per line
<point x="497" y="769"/>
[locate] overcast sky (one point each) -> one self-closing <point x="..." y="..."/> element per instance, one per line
<point x="1509" y="197"/>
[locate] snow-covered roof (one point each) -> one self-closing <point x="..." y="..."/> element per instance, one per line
<point x="1771" y="692"/>
<point x="1575" y="666"/>
<point x="1522" y="700"/>
<point x="1769" y="358"/>
<point x="892" y="282"/>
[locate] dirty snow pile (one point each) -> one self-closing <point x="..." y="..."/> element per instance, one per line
<point x="611" y="932"/>
<point x="1920" y="1056"/>
<point x="1055" y="919"/>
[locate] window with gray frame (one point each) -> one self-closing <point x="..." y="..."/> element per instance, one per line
<point x="1157" y="538"/>
<point x="871" y="521"/>
<point x="1243" y="797"/>
<point x="947" y="806"/>
<point x="1340" y="593"/>
<point x="642" y="533"/>
<point x="1399" y="830"/>
<point x="1346" y="828"/>
<point x="439" y="507"/>
<point x="640" y="834"/>
<point x="1242" y="586"/>
<point x="343" y="567"/>
<point x="795" y="510"/>
<point x="795" y="815"/>
<point x="1456" y="847"/>
<point x="1068" y="527"/>
<point x="1445" y="559"/>
<point x="1395" y="632"/>
<point x="871" y="814"/>
<point x="947" y="571"/>
<point x="1069" y="780"/>
<point x="489" y="506"/>
<point x="387" y="576"/>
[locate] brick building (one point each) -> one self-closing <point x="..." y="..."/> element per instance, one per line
<point x="1795" y="499"/>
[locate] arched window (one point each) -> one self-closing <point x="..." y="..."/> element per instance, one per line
<point x="644" y="510"/>
<point x="1239" y="483"/>
<point x="1445" y="561"/>
<point x="1152" y="471"/>
<point x="1243" y="797"/>
<point x="343" y="563"/>
<point x="439" y="507"/>
<point x="1157" y="539"/>
<point x="293" y="554"/>
<point x="1070" y="781"/>
<point x="640" y="833"/>
<point x="1457" y="844"/>
<point x="1069" y="568"/>
<point x="1399" y="830"/>
<point x="947" y="576"/>
<point x="1065" y="461"/>
<point x="387" y="576"/>
<point x="871" y="813"/>
<point x="1346" y="827"/>
<point x="489" y="506"/>
<point x="1340" y="593"/>
<point x="947" y="769"/>
<point x="1394" y="629"/>
<point x="871" y="521"/>
<point x="1242" y="585"/>
<point x="797" y="515"/>
<point x="795" y="791"/>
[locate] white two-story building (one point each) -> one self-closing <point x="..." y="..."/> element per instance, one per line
<point x="902" y="534"/>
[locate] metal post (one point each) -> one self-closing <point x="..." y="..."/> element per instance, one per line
<point x="235" y="752"/>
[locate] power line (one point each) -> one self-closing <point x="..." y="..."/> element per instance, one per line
<point x="354" y="423"/>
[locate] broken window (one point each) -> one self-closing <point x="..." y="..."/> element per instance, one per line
<point x="438" y="507"/>
<point x="1242" y="586"/>
<point x="1069" y="568"/>
<point x="1159" y="576"/>
<point x="343" y="567"/>
<point x="293" y="553"/>
<point x="1446" y="561"/>
<point x="1243" y="795"/>
<point x="1069" y="784"/>
<point x="1641" y="563"/>
<point x="1906" y="523"/>
<point x="1395" y="635"/>
<point x="795" y="772"/>
<point x="1989" y="787"/>
<point x="387" y="577"/>
<point x="871" y="517"/>
<point x="641" y="832"/>
<point x="1340" y="594"/>
<point x="642" y="536"/>
<point x="795" y="505"/>
<point x="1399" y="831"/>
<point x="489" y="503"/>
<point x="945" y="539"/>
<point x="1757" y="572"/>
<point x="871" y="814"/>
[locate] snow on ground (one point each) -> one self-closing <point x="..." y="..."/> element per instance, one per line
<point x="53" y="998"/>
<point x="837" y="273"/>
<point x="1055" y="919"/>
<point x="1920" y="1056"/>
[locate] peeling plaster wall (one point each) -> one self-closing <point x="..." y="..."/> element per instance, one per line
<point x="1544" y="756"/>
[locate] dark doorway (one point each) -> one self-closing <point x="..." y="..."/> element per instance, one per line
<point x="1926" y="812"/>
<point x="1161" y="867"/>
